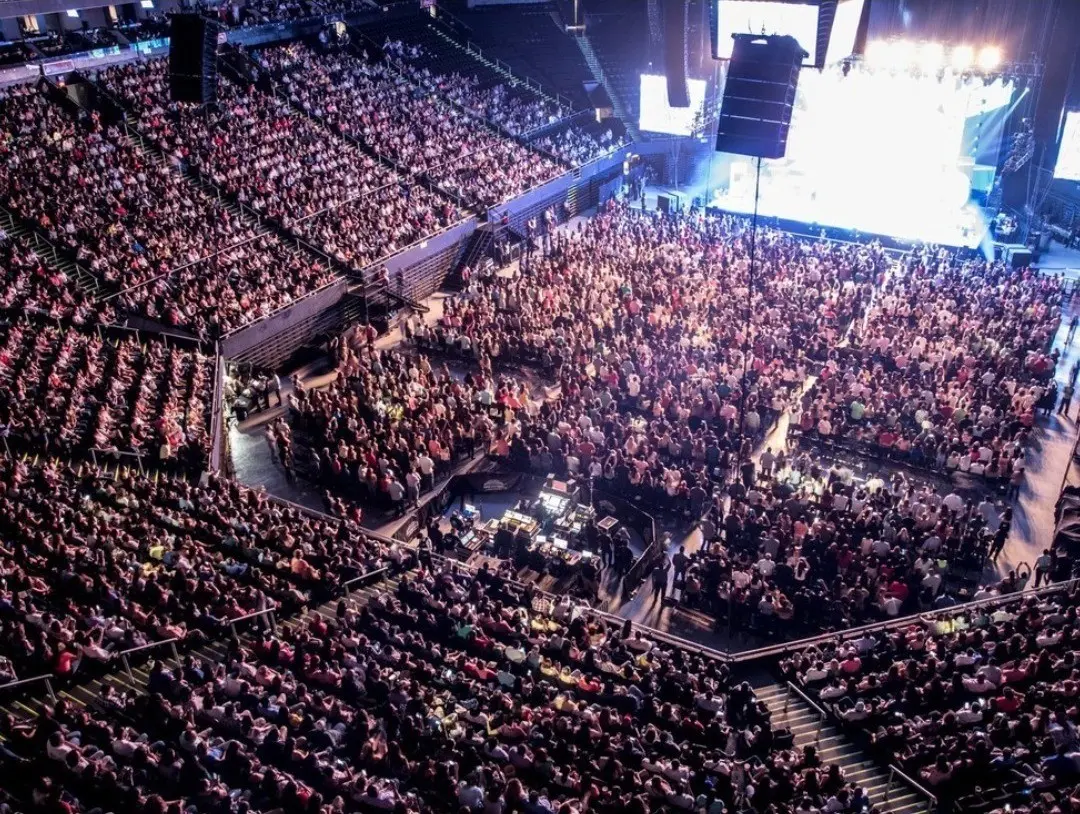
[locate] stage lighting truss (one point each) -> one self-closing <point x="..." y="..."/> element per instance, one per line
<point x="935" y="58"/>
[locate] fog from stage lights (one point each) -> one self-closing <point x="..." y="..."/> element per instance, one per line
<point x="931" y="56"/>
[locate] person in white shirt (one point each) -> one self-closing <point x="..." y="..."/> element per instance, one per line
<point x="953" y="502"/>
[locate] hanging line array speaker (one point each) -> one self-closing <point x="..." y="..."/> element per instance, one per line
<point x="675" y="21"/>
<point x="759" y="94"/>
<point x="193" y="44"/>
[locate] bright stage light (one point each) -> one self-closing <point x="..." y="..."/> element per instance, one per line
<point x="989" y="58"/>
<point x="962" y="57"/>
<point x="931" y="56"/>
<point x="902" y="54"/>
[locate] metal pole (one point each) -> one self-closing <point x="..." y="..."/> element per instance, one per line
<point x="747" y="341"/>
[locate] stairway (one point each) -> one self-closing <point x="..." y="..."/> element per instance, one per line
<point x="50" y="255"/>
<point x="86" y="692"/>
<point x="789" y="710"/>
<point x="616" y="100"/>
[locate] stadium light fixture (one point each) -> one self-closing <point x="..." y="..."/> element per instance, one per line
<point x="989" y="58"/>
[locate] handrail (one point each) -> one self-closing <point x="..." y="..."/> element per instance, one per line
<point x="806" y="698"/>
<point x="148" y="646"/>
<point x="900" y="621"/>
<point x="931" y="799"/>
<point x="252" y="615"/>
<point x="822" y="714"/>
<point x="217" y="411"/>
<point x="369" y="575"/>
<point x="22" y="682"/>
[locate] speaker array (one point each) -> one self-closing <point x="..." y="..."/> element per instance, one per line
<point x="193" y="42"/>
<point x="755" y="115"/>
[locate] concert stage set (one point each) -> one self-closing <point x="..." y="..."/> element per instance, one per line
<point x="912" y="141"/>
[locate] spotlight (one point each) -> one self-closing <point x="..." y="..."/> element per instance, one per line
<point x="989" y="58"/>
<point x="962" y="57"/>
<point x="931" y="55"/>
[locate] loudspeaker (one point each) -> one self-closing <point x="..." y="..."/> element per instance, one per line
<point x="675" y="20"/>
<point x="1020" y="257"/>
<point x="193" y="42"/>
<point x="670" y="203"/>
<point x="755" y="114"/>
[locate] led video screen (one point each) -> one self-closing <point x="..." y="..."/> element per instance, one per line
<point x="1068" y="163"/>
<point x="766" y="17"/>
<point x="657" y="116"/>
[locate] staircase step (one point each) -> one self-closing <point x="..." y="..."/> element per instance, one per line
<point x="833" y="747"/>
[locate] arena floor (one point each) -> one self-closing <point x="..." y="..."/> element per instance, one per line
<point x="1048" y="459"/>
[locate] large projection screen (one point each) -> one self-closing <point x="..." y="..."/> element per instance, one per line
<point x="657" y="116"/>
<point x="1068" y="163"/>
<point x="798" y="20"/>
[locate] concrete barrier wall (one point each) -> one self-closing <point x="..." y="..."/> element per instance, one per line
<point x="419" y="252"/>
<point x="245" y="339"/>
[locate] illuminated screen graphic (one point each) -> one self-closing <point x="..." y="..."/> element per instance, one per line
<point x="659" y="117"/>
<point x="1068" y="163"/>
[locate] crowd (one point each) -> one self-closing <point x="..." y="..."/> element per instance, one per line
<point x="124" y="216"/>
<point x="799" y="547"/>
<point x="390" y="424"/>
<point x="68" y="391"/>
<point x="289" y="168"/>
<point x="29" y="284"/>
<point x="512" y="106"/>
<point x="947" y="371"/>
<point x="450" y="692"/>
<point x="93" y="563"/>
<point x="251" y="145"/>
<point x="370" y="101"/>
<point x="361" y="232"/>
<point x="578" y="145"/>
<point x="982" y="699"/>
<point x="641" y="321"/>
<point x="231" y="289"/>
<point x="175" y="254"/>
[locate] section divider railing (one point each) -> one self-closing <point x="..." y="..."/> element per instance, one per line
<point x="823" y="716"/>
<point x="896" y="772"/>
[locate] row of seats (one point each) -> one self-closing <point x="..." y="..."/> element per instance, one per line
<point x="70" y="391"/>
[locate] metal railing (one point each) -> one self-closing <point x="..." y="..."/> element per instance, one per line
<point x="896" y="772"/>
<point x="125" y="655"/>
<point x="267" y="614"/>
<point x="25" y="682"/>
<point x="784" y="648"/>
<point x="823" y="716"/>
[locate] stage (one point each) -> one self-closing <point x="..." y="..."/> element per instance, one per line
<point x="860" y="220"/>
